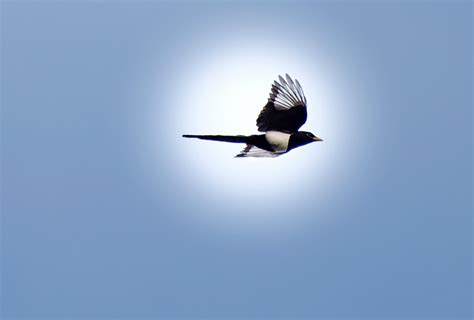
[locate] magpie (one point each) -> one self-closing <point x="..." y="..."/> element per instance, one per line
<point x="280" y="119"/>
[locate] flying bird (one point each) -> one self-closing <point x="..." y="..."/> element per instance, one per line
<point x="280" y="119"/>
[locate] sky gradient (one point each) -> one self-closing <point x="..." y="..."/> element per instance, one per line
<point x="108" y="213"/>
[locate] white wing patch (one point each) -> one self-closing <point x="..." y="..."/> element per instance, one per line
<point x="253" y="151"/>
<point x="287" y="94"/>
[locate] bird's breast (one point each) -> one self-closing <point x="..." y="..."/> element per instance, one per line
<point x="278" y="140"/>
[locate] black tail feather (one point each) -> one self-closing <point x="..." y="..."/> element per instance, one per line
<point x="233" y="139"/>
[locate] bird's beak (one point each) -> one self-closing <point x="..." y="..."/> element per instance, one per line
<point x="317" y="139"/>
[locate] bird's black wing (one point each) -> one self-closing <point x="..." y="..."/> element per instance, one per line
<point x="286" y="107"/>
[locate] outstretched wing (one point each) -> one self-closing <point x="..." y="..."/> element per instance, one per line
<point x="286" y="107"/>
<point x="253" y="151"/>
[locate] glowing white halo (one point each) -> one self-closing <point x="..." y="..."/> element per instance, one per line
<point x="222" y="91"/>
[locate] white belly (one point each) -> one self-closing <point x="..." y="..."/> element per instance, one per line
<point x="278" y="140"/>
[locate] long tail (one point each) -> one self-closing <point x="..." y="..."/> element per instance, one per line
<point x="233" y="139"/>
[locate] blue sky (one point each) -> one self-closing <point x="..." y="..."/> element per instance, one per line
<point x="108" y="213"/>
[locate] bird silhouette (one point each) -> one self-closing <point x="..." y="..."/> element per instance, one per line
<point x="280" y="119"/>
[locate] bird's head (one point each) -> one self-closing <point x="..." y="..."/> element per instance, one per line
<point x="301" y="138"/>
<point x="308" y="137"/>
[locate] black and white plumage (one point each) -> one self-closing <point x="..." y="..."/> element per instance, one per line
<point x="285" y="110"/>
<point x="280" y="119"/>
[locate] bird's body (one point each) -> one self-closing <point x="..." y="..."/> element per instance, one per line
<point x="280" y="119"/>
<point x="278" y="140"/>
